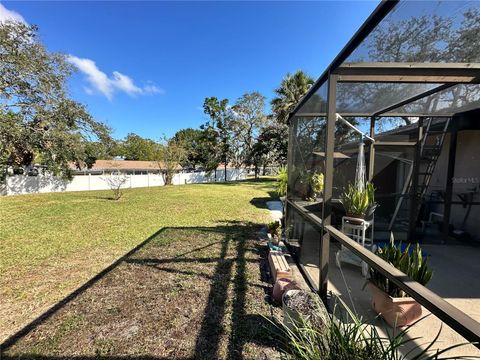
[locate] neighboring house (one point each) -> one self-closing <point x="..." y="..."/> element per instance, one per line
<point x="135" y="167"/>
<point x="138" y="174"/>
<point x="129" y="167"/>
<point x="465" y="166"/>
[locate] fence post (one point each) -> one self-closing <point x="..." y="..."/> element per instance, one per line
<point x="89" y="179"/>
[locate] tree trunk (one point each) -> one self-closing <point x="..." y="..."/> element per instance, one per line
<point x="225" y="171"/>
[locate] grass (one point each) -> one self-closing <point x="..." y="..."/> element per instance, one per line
<point x="188" y="293"/>
<point x="52" y="243"/>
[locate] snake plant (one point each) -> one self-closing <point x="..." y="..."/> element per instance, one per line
<point x="358" y="202"/>
<point x="412" y="263"/>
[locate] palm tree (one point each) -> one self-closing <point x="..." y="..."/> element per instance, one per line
<point x="289" y="93"/>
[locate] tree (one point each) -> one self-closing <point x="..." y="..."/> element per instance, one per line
<point x="271" y="147"/>
<point x="274" y="138"/>
<point x="258" y="156"/>
<point x="39" y="123"/>
<point x="134" y="147"/>
<point x="171" y="153"/>
<point x="208" y="149"/>
<point x="104" y="150"/>
<point x="249" y="118"/>
<point x="115" y="181"/>
<point x="463" y="46"/>
<point x="220" y="125"/>
<point x="417" y="39"/>
<point x="289" y="93"/>
<point x="190" y="140"/>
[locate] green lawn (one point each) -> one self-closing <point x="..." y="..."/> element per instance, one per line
<point x="52" y="243"/>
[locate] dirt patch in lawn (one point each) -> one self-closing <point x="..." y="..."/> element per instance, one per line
<point x="188" y="293"/>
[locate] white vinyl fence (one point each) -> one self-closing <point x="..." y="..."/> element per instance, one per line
<point x="21" y="184"/>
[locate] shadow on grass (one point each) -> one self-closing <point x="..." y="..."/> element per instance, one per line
<point x="260" y="202"/>
<point x="206" y="289"/>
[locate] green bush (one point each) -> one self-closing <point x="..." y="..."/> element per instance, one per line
<point x="282" y="181"/>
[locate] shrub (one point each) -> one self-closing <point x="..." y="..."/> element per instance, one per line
<point x="282" y="181"/>
<point x="115" y="181"/>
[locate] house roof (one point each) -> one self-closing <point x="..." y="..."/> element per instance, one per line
<point x="134" y="165"/>
<point x="125" y="165"/>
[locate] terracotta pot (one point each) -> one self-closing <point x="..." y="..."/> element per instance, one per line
<point x="397" y="312"/>
<point x="282" y="285"/>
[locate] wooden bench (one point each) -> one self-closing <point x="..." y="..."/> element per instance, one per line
<point x="279" y="265"/>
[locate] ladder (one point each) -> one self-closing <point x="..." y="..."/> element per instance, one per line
<point x="429" y="154"/>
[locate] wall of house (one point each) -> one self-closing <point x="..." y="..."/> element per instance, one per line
<point x="467" y="178"/>
<point x="20" y="184"/>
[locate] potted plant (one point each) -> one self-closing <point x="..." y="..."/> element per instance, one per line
<point x="388" y="300"/>
<point x="274" y="232"/>
<point x="300" y="304"/>
<point x="358" y="203"/>
<point x="317" y="184"/>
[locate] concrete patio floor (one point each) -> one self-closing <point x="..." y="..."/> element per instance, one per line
<point x="456" y="271"/>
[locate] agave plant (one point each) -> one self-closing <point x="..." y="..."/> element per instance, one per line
<point x="358" y="202"/>
<point x="412" y="263"/>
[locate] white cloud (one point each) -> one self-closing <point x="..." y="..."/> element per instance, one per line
<point x="107" y="86"/>
<point x="153" y="89"/>
<point x="11" y="15"/>
<point x="97" y="78"/>
<point x="124" y="83"/>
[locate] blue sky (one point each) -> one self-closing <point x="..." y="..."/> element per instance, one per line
<point x="146" y="67"/>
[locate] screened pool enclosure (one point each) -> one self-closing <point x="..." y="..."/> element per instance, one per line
<point x="409" y="81"/>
